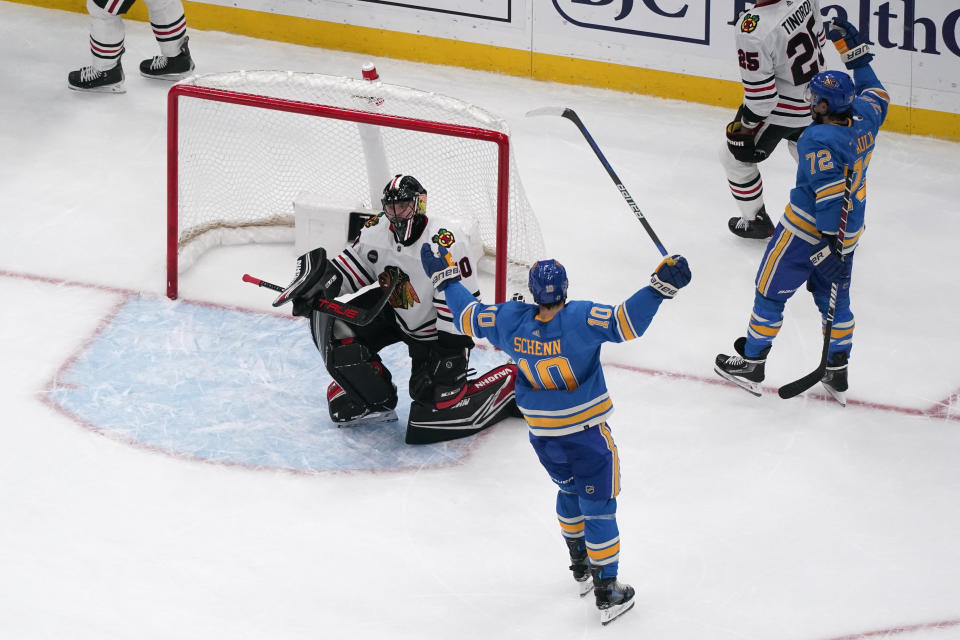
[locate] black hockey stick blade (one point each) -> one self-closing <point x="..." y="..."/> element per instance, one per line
<point x="797" y="387"/>
<point x="349" y="313"/>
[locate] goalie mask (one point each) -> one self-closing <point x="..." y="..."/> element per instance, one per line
<point x="548" y="282"/>
<point x="405" y="205"/>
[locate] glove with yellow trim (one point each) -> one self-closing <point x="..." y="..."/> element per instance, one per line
<point x="853" y="49"/>
<point x="671" y="275"/>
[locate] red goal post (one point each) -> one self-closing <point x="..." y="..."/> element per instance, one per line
<point x="240" y="145"/>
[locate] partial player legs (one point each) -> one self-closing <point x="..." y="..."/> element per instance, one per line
<point x="572" y="527"/>
<point x="785" y="267"/>
<point x="587" y="463"/>
<point x="170" y="29"/>
<point x="746" y="187"/>
<point x="841" y="334"/>
<point x="105" y="72"/>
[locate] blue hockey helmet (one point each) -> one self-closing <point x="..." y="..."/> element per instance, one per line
<point x="833" y="87"/>
<point x="548" y="282"/>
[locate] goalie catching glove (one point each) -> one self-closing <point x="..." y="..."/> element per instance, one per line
<point x="442" y="270"/>
<point x="671" y="275"/>
<point x="314" y="278"/>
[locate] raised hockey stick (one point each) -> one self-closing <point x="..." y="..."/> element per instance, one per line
<point x="797" y="387"/>
<point x="571" y="115"/>
<point x="349" y="313"/>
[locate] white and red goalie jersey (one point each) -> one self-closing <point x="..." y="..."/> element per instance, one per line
<point x="421" y="311"/>
<point x="779" y="50"/>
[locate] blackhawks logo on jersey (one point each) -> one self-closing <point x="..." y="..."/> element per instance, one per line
<point x="372" y="222"/>
<point x="444" y="238"/>
<point x="404" y="295"/>
<point x="749" y="23"/>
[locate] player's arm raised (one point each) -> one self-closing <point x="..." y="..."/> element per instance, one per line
<point x="630" y="319"/>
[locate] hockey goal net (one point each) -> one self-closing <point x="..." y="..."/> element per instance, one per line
<point x="242" y="145"/>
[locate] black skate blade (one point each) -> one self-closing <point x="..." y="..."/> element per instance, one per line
<point x="609" y="615"/>
<point x="746" y="385"/>
<point x="116" y="87"/>
<point x="169" y="77"/>
<point x="839" y="396"/>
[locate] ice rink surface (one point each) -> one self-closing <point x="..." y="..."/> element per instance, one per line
<point x="161" y="470"/>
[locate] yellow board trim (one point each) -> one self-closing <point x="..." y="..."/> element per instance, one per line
<point x="517" y="62"/>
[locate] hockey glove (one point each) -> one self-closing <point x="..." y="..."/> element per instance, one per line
<point x="828" y="260"/>
<point x="315" y="277"/>
<point x="741" y="140"/>
<point x="853" y="48"/>
<point x="442" y="270"/>
<point x="670" y="276"/>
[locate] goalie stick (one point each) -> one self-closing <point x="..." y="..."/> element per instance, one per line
<point x="571" y="115"/>
<point x="349" y="313"/>
<point x="797" y="387"/>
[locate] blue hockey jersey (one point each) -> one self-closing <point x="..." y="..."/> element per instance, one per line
<point x="560" y="388"/>
<point x="824" y="151"/>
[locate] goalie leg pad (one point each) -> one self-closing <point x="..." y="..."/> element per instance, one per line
<point x="345" y="410"/>
<point x="366" y="384"/>
<point x="486" y="401"/>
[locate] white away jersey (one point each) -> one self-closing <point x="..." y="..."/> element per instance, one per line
<point x="779" y="50"/>
<point x="421" y="311"/>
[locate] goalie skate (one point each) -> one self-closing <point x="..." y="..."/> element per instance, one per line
<point x="483" y="402"/>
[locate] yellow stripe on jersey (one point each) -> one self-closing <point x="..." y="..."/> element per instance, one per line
<point x="830" y="190"/>
<point x="615" y="480"/>
<point x="851" y="241"/>
<point x="801" y="220"/>
<point x="603" y="554"/>
<point x="606" y="552"/>
<point x="771" y="262"/>
<point x="571" y="527"/>
<point x="840" y="333"/>
<point x="623" y="321"/>
<point x="570" y="420"/>
<point x="466" y="319"/>
<point x="765" y="330"/>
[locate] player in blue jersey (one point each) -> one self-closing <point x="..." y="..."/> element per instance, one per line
<point x="847" y="115"/>
<point x="562" y="394"/>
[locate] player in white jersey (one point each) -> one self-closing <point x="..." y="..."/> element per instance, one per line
<point x="445" y="404"/>
<point x="105" y="72"/>
<point x="779" y="51"/>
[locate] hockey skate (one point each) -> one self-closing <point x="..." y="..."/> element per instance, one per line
<point x="613" y="598"/>
<point x="164" y="68"/>
<point x="835" y="378"/>
<point x="579" y="565"/>
<point x="746" y="373"/>
<point x="92" y="79"/>
<point x="759" y="228"/>
<point x="346" y="412"/>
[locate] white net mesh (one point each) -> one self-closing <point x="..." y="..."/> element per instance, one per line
<point x="240" y="167"/>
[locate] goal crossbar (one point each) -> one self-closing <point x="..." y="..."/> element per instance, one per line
<point x="179" y="91"/>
